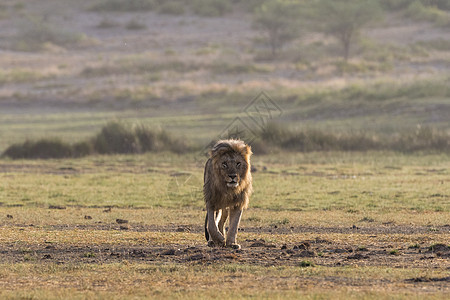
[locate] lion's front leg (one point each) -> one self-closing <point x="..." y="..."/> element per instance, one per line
<point x="215" y="237"/>
<point x="235" y="219"/>
<point x="223" y="219"/>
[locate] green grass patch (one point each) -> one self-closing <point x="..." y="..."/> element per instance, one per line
<point x="21" y="76"/>
<point x="331" y="182"/>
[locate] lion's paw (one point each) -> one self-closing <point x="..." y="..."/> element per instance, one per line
<point x="213" y="244"/>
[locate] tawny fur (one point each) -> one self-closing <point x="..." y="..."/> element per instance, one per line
<point x="227" y="189"/>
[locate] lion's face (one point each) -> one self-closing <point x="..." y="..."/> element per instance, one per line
<point x="232" y="169"/>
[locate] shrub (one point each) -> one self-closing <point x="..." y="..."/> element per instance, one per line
<point x="259" y="147"/>
<point x="422" y="139"/>
<point x="44" y="149"/>
<point x="420" y="12"/>
<point x="147" y="139"/>
<point x="36" y="33"/>
<point x="115" y="137"/>
<point x="395" y="4"/>
<point x="123" y="5"/>
<point x="107" y="23"/>
<point x="81" y="149"/>
<point x="135" y="25"/>
<point x="211" y="8"/>
<point x="171" y="8"/>
<point x="169" y="143"/>
<point x="403" y="4"/>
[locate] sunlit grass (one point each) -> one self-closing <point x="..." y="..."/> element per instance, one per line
<point x="373" y="183"/>
<point x="292" y="191"/>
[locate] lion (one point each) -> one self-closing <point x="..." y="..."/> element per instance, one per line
<point x="227" y="189"/>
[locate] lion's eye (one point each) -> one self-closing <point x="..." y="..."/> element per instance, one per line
<point x="238" y="164"/>
<point x="224" y="165"/>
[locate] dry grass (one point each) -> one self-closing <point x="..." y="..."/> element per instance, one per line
<point x="381" y="244"/>
<point x="160" y="281"/>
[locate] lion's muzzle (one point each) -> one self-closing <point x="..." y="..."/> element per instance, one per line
<point x="232" y="180"/>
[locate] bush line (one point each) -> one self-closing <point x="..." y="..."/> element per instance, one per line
<point x="114" y="138"/>
<point x="119" y="138"/>
<point x="421" y="139"/>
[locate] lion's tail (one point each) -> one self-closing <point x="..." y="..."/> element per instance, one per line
<point x="206" y="228"/>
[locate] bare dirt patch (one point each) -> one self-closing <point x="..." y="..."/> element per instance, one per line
<point x="367" y="250"/>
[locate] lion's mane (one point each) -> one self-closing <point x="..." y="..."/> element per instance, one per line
<point x="217" y="194"/>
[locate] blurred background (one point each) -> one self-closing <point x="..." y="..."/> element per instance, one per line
<point x="80" y="77"/>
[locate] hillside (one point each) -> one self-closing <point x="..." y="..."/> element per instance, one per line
<point x="67" y="67"/>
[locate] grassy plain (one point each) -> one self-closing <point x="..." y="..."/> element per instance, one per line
<point x="320" y="225"/>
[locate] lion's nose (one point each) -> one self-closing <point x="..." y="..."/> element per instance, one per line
<point x="233" y="176"/>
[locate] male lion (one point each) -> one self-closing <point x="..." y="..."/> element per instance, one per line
<point x="227" y="188"/>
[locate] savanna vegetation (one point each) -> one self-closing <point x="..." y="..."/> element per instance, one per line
<point x="107" y="108"/>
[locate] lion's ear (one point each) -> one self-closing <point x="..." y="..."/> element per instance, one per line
<point x="220" y="148"/>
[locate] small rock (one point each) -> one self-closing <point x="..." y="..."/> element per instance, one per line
<point x="191" y="249"/>
<point x="9" y="216"/>
<point x="200" y="256"/>
<point x="87" y="217"/>
<point x="305" y="253"/>
<point x="168" y="252"/>
<point x="138" y="253"/>
<point x="304" y="246"/>
<point x="183" y="229"/>
<point x="356" y="256"/>
<point x="47" y="256"/>
<point x="258" y="243"/>
<point x="124" y="227"/>
<point x="121" y="221"/>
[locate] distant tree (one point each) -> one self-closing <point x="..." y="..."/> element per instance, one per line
<point x="278" y="20"/>
<point x="344" y="19"/>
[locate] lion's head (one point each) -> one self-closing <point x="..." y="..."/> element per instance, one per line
<point x="231" y="164"/>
